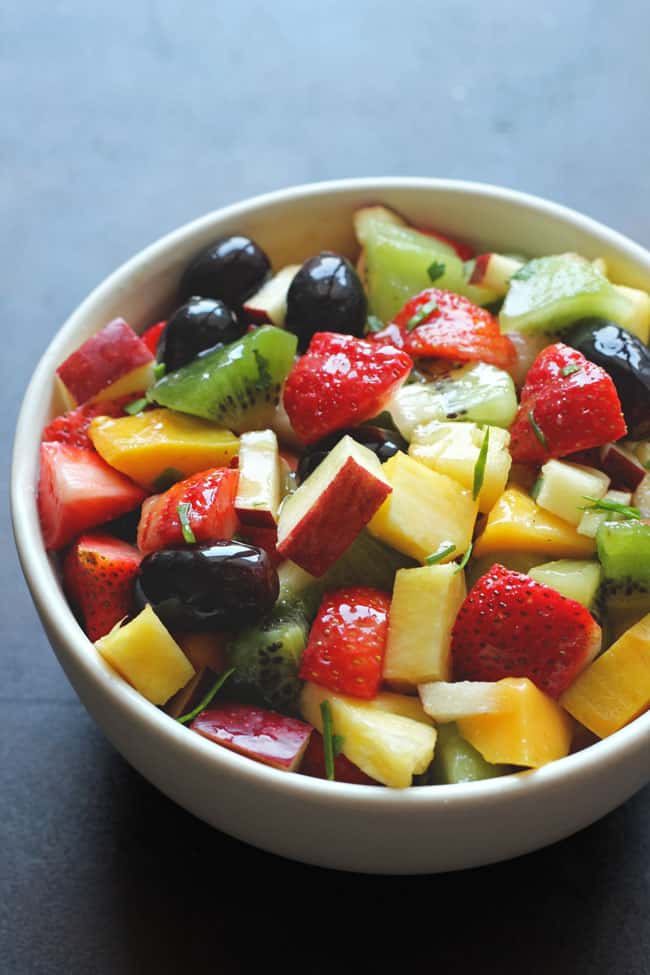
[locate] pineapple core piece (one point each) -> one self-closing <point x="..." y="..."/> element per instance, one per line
<point x="388" y="747"/>
<point x="615" y="688"/>
<point x="423" y="611"/>
<point x="424" y="512"/>
<point x="145" y="654"/>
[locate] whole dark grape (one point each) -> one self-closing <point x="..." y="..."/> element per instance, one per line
<point x="231" y="268"/>
<point x="326" y="295"/>
<point x="383" y="443"/>
<point x="198" y="325"/>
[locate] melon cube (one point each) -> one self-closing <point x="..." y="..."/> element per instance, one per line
<point x="566" y="488"/>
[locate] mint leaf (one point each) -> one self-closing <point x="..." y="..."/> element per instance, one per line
<point x="436" y="270"/>
<point x="445" y="549"/>
<point x="479" y="467"/>
<point x="184" y="510"/>
<point x="202" y="705"/>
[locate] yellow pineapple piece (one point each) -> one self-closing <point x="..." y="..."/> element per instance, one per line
<point x="425" y="510"/>
<point x="529" y="729"/>
<point x="404" y="704"/>
<point x="388" y="747"/>
<point x="516" y="523"/>
<point x="453" y="449"/>
<point x="615" y="688"/>
<point x="423" y="611"/>
<point x="147" y="444"/>
<point x="145" y="654"/>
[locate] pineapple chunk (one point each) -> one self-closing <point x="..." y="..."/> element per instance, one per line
<point x="387" y="747"/>
<point x="146" y="445"/>
<point x="529" y="729"/>
<point x="566" y="488"/>
<point x="446" y="702"/>
<point x="575" y="579"/>
<point x="593" y="519"/>
<point x="404" y="704"/>
<point x="145" y="654"/>
<point x="425" y="510"/>
<point x="615" y="688"/>
<point x="638" y="322"/>
<point x="453" y="449"/>
<point x="516" y="523"/>
<point x="419" y="640"/>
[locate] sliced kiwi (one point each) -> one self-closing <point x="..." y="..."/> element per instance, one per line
<point x="238" y="386"/>
<point x="267" y="657"/>
<point x="455" y="760"/>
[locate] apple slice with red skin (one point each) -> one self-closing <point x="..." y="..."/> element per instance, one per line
<point x="269" y="304"/>
<point x="326" y="513"/>
<point x="258" y="489"/>
<point x="493" y="271"/>
<point x="621" y="466"/>
<point x="112" y="363"/>
<point x="265" y="736"/>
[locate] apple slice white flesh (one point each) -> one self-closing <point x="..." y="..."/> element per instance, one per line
<point x="258" y="490"/>
<point x="445" y="701"/>
<point x="266" y="736"/>
<point x="324" y="516"/>
<point x="269" y="304"/>
<point x="493" y="271"/>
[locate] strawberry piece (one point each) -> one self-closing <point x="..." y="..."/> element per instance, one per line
<point x="464" y="251"/>
<point x="568" y="404"/>
<point x="211" y="516"/>
<point x="444" y="325"/>
<point x="345" y="652"/>
<point x="313" y="764"/>
<point x="512" y="626"/>
<point x="78" y="490"/>
<point x="151" y="336"/>
<point x="341" y="381"/>
<point x="99" y="573"/>
<point x="72" y="427"/>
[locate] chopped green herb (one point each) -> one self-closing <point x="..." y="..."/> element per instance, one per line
<point x="136" y="406"/>
<point x="436" y="270"/>
<point x="465" y="559"/>
<point x="184" y="510"/>
<point x="265" y="378"/>
<point x="570" y="369"/>
<point x="479" y="467"/>
<point x="373" y="324"/>
<point x="338" y="742"/>
<point x="536" y="488"/>
<point x="166" y="478"/>
<point x="202" y="705"/>
<point x="421" y="314"/>
<point x="602" y="504"/>
<point x="536" y="430"/>
<point x="647" y="465"/>
<point x="328" y="739"/>
<point x="442" y="552"/>
<point x="159" y="370"/>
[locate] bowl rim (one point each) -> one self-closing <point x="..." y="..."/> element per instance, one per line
<point x="61" y="624"/>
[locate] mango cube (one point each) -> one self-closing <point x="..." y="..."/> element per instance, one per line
<point x="424" y="512"/>
<point x="615" y="688"/>
<point x="145" y="654"/>
<point x="149" y="444"/>
<point x="528" y="729"/>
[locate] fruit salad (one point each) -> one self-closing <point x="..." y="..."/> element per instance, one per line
<point x="381" y="520"/>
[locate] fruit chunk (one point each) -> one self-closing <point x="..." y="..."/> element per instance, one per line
<point x="477" y="391"/>
<point x="550" y="293"/>
<point x="72" y="427"/>
<point x="419" y="640"/>
<point x="210" y="515"/>
<point x="266" y="736"/>
<point x="145" y="654"/>
<point x="424" y="511"/>
<point x="205" y="651"/>
<point x="152" y="335"/>
<point x="456" y="761"/>
<point x="494" y="271"/>
<point x="110" y="364"/>
<point x="149" y="444"/>
<point x="624" y="550"/>
<point x="341" y="381"/>
<point x="529" y="730"/>
<point x="387" y="747"/>
<point x="269" y="304"/>
<point x="365" y="219"/>
<point x="567" y="404"/>
<point x="579" y="580"/>
<point x="622" y="466"/>
<point x="313" y="764"/>
<point x="444" y="701"/>
<point x="516" y="523"/>
<point x="258" y="491"/>
<point x="615" y="688"/>
<point x="453" y="449"/>
<point x="99" y="573"/>
<point x="346" y="644"/>
<point x="637" y="319"/>
<point x="77" y="490"/>
<point x="566" y="489"/>
<point x="237" y="387"/>
<point x="510" y="625"/>
<point x="405" y="705"/>
<point x="593" y="517"/>
<point x="319" y="520"/>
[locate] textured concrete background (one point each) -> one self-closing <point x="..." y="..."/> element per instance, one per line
<point x="118" y="124"/>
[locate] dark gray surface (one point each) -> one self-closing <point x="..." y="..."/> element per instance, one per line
<point x="117" y="125"/>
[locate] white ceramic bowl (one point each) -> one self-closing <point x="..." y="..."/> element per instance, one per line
<point x="359" y="828"/>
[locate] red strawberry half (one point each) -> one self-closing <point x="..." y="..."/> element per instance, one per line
<point x="313" y="764"/>
<point x="211" y="515"/>
<point x="98" y="575"/>
<point x="341" y="381"/>
<point x="78" y="490"/>
<point x="568" y="404"/>
<point x="443" y="325"/>
<point x="72" y="427"/>
<point x="152" y="336"/>
<point x="345" y="652"/>
<point x="512" y="626"/>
